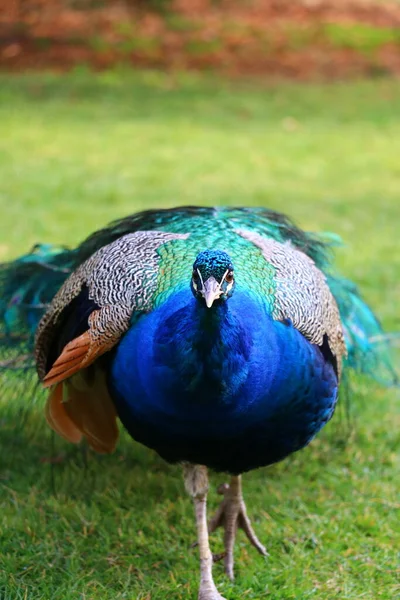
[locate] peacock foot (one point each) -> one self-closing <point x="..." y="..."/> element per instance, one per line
<point x="230" y="515"/>
<point x="208" y="591"/>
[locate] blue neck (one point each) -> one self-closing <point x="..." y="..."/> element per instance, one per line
<point x="184" y="356"/>
<point x="208" y="348"/>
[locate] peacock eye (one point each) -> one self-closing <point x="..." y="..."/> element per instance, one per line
<point x="229" y="277"/>
<point x="195" y="275"/>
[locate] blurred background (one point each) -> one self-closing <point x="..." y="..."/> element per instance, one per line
<point x="107" y="108"/>
<point x="296" y="38"/>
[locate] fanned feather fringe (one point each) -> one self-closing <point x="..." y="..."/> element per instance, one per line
<point x="369" y="350"/>
<point x="27" y="285"/>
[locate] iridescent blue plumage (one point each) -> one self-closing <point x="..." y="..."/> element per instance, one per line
<point x="227" y="387"/>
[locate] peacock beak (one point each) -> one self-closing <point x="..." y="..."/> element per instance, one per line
<point x="211" y="291"/>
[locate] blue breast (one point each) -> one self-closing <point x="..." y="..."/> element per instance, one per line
<point x="226" y="387"/>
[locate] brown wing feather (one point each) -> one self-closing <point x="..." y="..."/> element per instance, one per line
<point x="82" y="407"/>
<point x="90" y="408"/>
<point x="82" y="351"/>
<point x="76" y="355"/>
<point x="58" y="419"/>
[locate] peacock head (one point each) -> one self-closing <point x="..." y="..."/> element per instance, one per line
<point x="212" y="277"/>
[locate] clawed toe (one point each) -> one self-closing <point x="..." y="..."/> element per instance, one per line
<point x="231" y="515"/>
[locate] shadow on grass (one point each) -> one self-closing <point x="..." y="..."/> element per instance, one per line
<point x="32" y="455"/>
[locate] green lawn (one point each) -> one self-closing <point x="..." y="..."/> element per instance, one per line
<point x="79" y="150"/>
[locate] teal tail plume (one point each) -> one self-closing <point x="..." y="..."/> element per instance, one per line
<point x="27" y="285"/>
<point x="369" y="349"/>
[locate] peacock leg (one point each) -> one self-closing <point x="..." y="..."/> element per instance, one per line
<point x="196" y="484"/>
<point x="230" y="515"/>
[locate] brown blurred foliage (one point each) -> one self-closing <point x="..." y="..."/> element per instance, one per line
<point x="296" y="38"/>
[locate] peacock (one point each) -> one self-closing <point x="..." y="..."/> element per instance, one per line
<point x="217" y="336"/>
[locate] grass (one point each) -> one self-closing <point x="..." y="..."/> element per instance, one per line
<point x="361" y="37"/>
<point x="79" y="150"/>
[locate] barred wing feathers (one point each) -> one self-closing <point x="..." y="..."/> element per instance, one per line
<point x="302" y="294"/>
<point x="97" y="302"/>
<point x="120" y="279"/>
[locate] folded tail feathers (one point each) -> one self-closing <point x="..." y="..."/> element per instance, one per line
<point x="27" y="285"/>
<point x="369" y="350"/>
